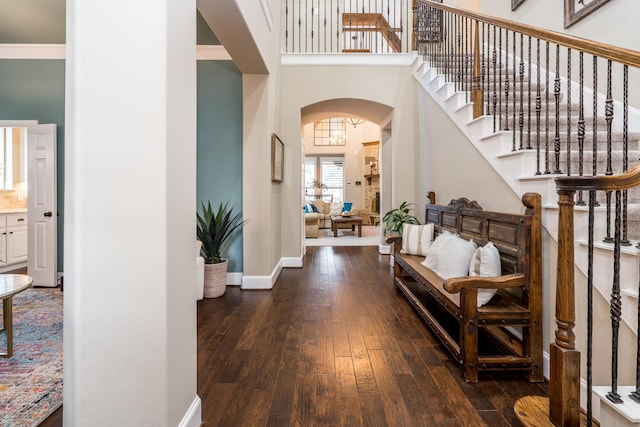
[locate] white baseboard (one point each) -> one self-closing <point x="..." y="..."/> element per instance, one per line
<point x="292" y="262"/>
<point x="262" y="282"/>
<point x="193" y="416"/>
<point x="234" y="279"/>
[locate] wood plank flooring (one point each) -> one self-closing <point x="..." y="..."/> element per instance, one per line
<point x="335" y="344"/>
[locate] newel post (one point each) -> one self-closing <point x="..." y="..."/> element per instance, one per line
<point x="476" y="87"/>
<point x="564" y="381"/>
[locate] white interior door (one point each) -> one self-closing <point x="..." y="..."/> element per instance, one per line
<point x="42" y="204"/>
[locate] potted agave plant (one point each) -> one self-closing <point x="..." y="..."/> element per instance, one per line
<point x="214" y="230"/>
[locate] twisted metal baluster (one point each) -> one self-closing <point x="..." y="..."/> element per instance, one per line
<point x="483" y="67"/>
<point x="568" y="111"/>
<point x="521" y="72"/>
<point x="592" y="201"/>
<point x="556" y="92"/>
<point x="494" y="60"/>
<point x="529" y="101"/>
<point x="465" y="58"/>
<point x="286" y="27"/>
<point x="500" y="77"/>
<point x="595" y="118"/>
<point x="506" y="82"/>
<point x="513" y="83"/>
<point x="581" y="128"/>
<point x="625" y="152"/>
<point x="538" y="107"/>
<point x="616" y="304"/>
<point x="546" y="121"/>
<point x="608" y="114"/>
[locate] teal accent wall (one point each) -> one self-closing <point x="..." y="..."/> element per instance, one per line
<point x="33" y="89"/>
<point x="219" y="167"/>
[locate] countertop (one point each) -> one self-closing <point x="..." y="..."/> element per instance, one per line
<point x="12" y="210"/>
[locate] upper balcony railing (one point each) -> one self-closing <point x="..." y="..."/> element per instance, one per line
<point x="349" y="26"/>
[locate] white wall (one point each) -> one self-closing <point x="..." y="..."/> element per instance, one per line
<point x="129" y="297"/>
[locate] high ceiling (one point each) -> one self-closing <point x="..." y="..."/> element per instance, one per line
<point x="32" y="21"/>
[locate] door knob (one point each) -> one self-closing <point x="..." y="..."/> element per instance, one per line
<point x="47" y="214"/>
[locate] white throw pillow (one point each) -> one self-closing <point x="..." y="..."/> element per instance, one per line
<point x="450" y="255"/>
<point x="336" y="208"/>
<point x="416" y="239"/>
<point x="485" y="263"/>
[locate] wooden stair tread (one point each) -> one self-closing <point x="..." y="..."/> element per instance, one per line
<point x="533" y="411"/>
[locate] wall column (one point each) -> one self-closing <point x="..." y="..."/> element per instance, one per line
<point x="130" y="309"/>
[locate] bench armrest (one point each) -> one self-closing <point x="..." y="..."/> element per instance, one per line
<point x="455" y="284"/>
<point x="396" y="240"/>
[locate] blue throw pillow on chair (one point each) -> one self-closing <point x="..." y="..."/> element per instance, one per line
<point x="347" y="206"/>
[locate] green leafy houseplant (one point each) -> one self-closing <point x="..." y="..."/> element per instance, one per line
<point x="396" y="218"/>
<point x="215" y="228"/>
<point x="318" y="184"/>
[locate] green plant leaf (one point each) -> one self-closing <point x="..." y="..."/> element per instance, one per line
<point x="215" y="228"/>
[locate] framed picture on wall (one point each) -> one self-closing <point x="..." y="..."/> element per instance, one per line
<point x="277" y="158"/>
<point x="575" y="10"/>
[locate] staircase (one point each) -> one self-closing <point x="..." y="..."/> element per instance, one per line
<point x="508" y="141"/>
<point x="371" y="22"/>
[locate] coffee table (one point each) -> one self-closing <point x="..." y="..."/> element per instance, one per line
<point x="353" y="220"/>
<point x="11" y="284"/>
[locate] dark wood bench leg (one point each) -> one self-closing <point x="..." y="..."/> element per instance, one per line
<point x="469" y="335"/>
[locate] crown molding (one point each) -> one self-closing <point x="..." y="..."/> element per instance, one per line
<point x="58" y="51"/>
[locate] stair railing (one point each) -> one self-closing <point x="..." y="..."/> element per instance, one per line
<point x="347" y="26"/>
<point x="508" y="67"/>
<point x="524" y="78"/>
<point x="564" y="388"/>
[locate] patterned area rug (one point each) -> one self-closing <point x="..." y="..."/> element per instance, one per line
<point x="31" y="380"/>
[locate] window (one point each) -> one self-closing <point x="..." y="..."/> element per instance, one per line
<point x="328" y="170"/>
<point x="330" y="132"/>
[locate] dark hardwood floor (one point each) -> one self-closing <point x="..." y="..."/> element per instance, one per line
<point x="335" y="344"/>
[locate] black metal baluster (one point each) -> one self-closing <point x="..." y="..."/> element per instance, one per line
<point x="556" y="92"/>
<point x="538" y="107"/>
<point x="592" y="202"/>
<point x="529" y="101"/>
<point x="494" y="60"/>
<point x="324" y="19"/>
<point x="485" y="78"/>
<point x="569" y="119"/>
<point x="521" y="72"/>
<point x="465" y="59"/>
<point x="547" y="170"/>
<point x="299" y="26"/>
<point x="506" y="82"/>
<point x="625" y="152"/>
<point x="286" y="27"/>
<point x="608" y="114"/>
<point x="338" y="25"/>
<point x="501" y="112"/>
<point x="513" y="83"/>
<point x="595" y="118"/>
<point x="581" y="127"/>
<point x="615" y="304"/>
<point x="458" y="53"/>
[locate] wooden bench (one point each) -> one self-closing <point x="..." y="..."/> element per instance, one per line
<point x="506" y="333"/>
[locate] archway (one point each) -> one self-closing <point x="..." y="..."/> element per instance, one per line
<point x="369" y="188"/>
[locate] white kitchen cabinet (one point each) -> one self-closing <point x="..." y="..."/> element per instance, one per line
<point x="13" y="238"/>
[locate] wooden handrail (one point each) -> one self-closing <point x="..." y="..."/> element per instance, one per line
<point x="623" y="181"/>
<point x="601" y="50"/>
